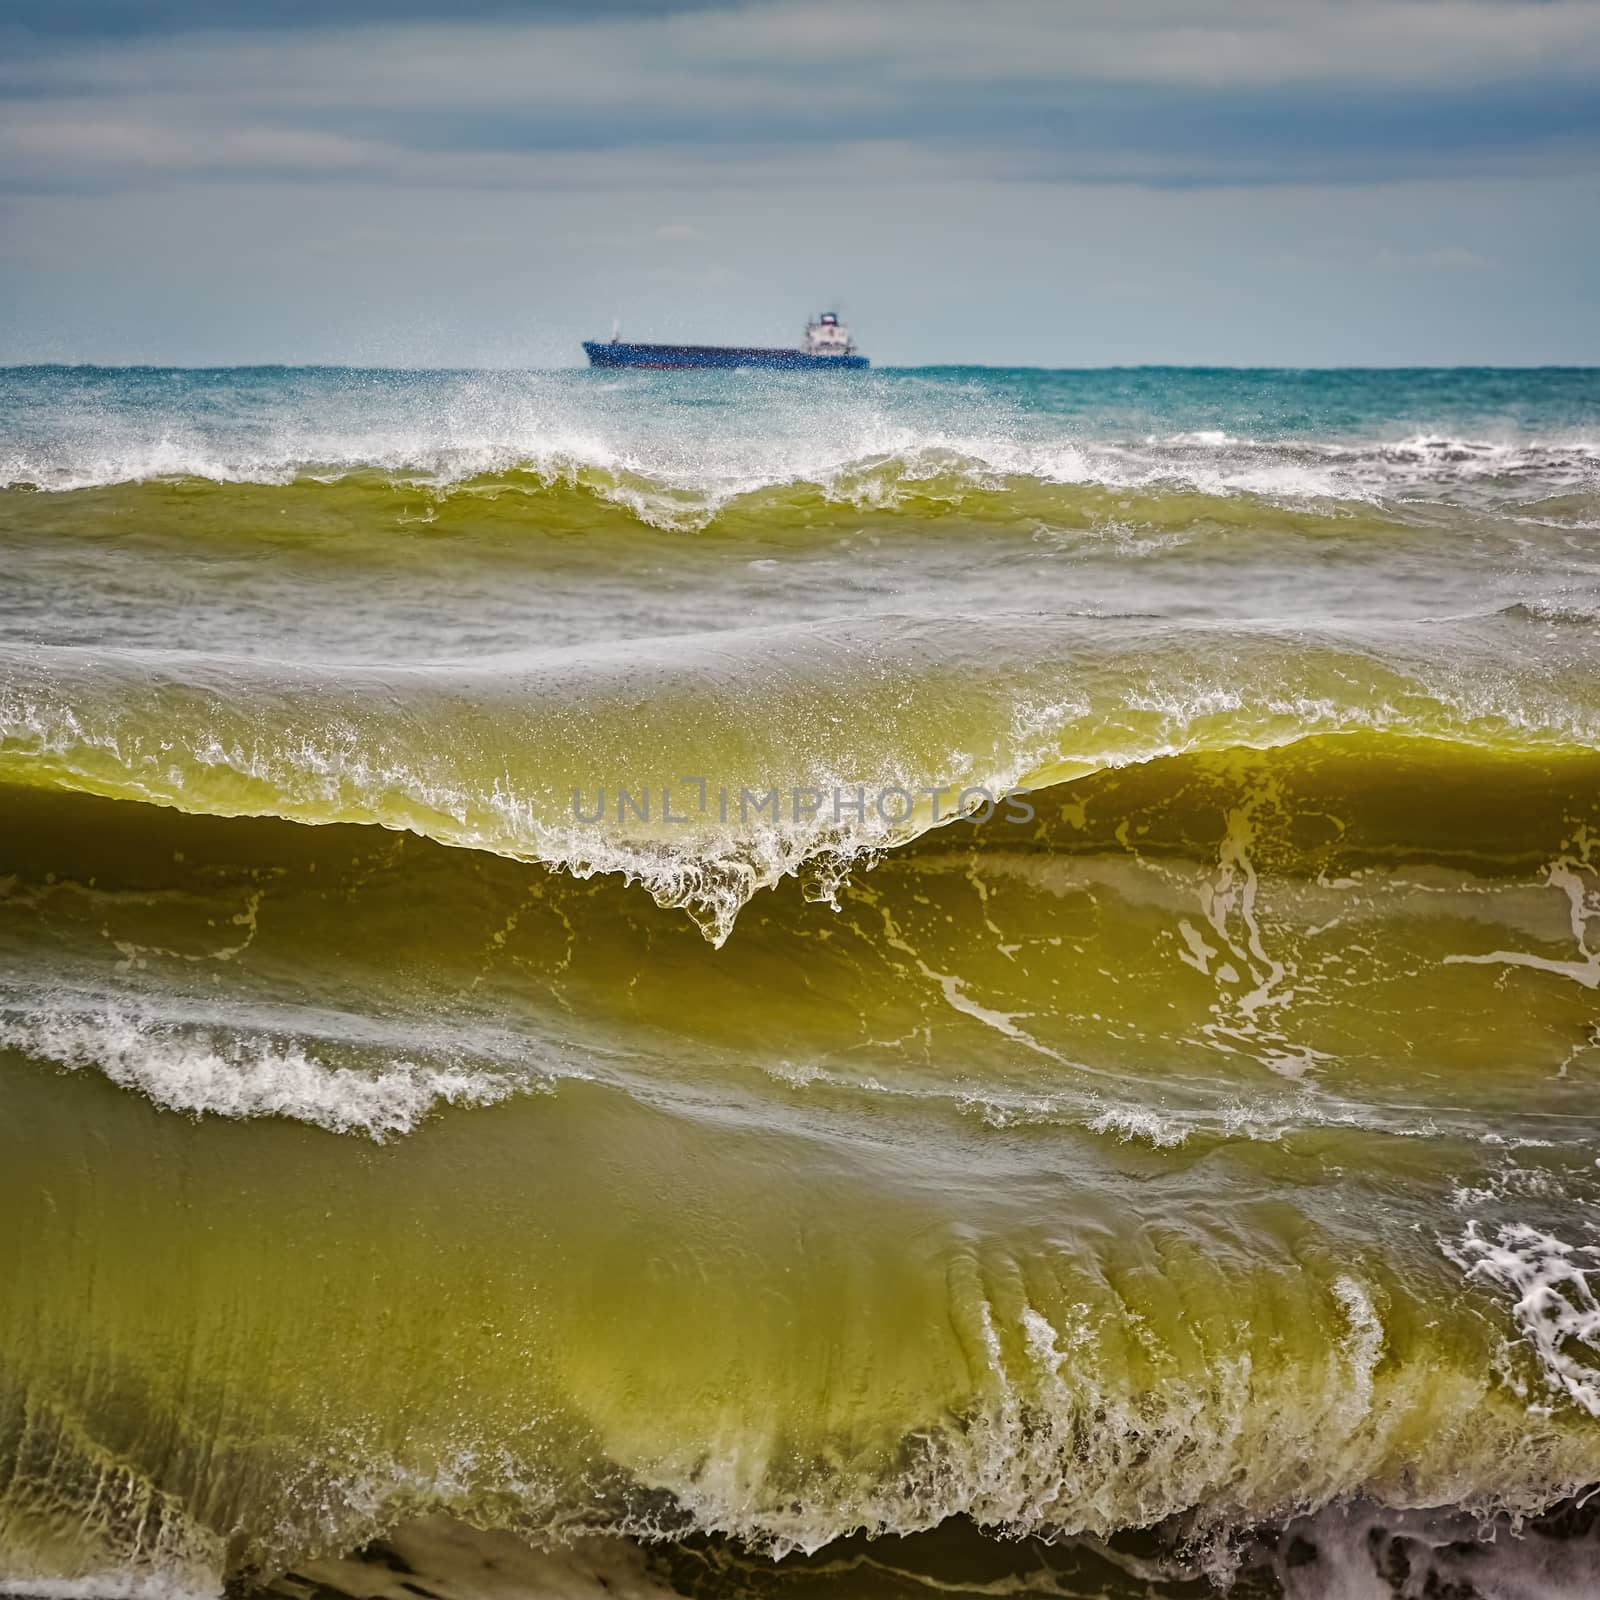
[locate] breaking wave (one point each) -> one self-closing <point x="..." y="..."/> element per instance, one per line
<point x="1160" y="484"/>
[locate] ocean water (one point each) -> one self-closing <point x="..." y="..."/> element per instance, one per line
<point x="952" y="982"/>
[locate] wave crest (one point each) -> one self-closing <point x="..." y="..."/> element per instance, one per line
<point x="791" y="751"/>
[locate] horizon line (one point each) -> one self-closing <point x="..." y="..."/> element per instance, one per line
<point x="922" y="366"/>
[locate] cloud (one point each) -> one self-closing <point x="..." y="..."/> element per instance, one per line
<point x="1207" y="92"/>
<point x="120" y="19"/>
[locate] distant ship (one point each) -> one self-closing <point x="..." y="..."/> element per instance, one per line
<point x="828" y="346"/>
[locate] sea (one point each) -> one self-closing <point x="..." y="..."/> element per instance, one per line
<point x="762" y="986"/>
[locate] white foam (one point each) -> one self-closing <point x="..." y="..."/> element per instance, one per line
<point x="133" y="1584"/>
<point x="222" y="1073"/>
<point x="1130" y="1123"/>
<point x="867" y="444"/>
<point x="1360" y="1551"/>
<point x="1553" y="1303"/>
<point x="1572" y="875"/>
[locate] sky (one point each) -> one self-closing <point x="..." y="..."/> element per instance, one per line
<point x="1014" y="182"/>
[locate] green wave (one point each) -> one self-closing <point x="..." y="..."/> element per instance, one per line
<point x="1183" y="1158"/>
<point x="1298" y="909"/>
<point x="709" y="768"/>
<point x="369" y="510"/>
<point x="768" y="1266"/>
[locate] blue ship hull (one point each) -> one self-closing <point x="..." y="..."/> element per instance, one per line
<point x="621" y="353"/>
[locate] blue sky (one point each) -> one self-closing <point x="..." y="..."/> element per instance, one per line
<point x="1071" y="183"/>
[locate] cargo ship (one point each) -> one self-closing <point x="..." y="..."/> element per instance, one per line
<point x="828" y="347"/>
